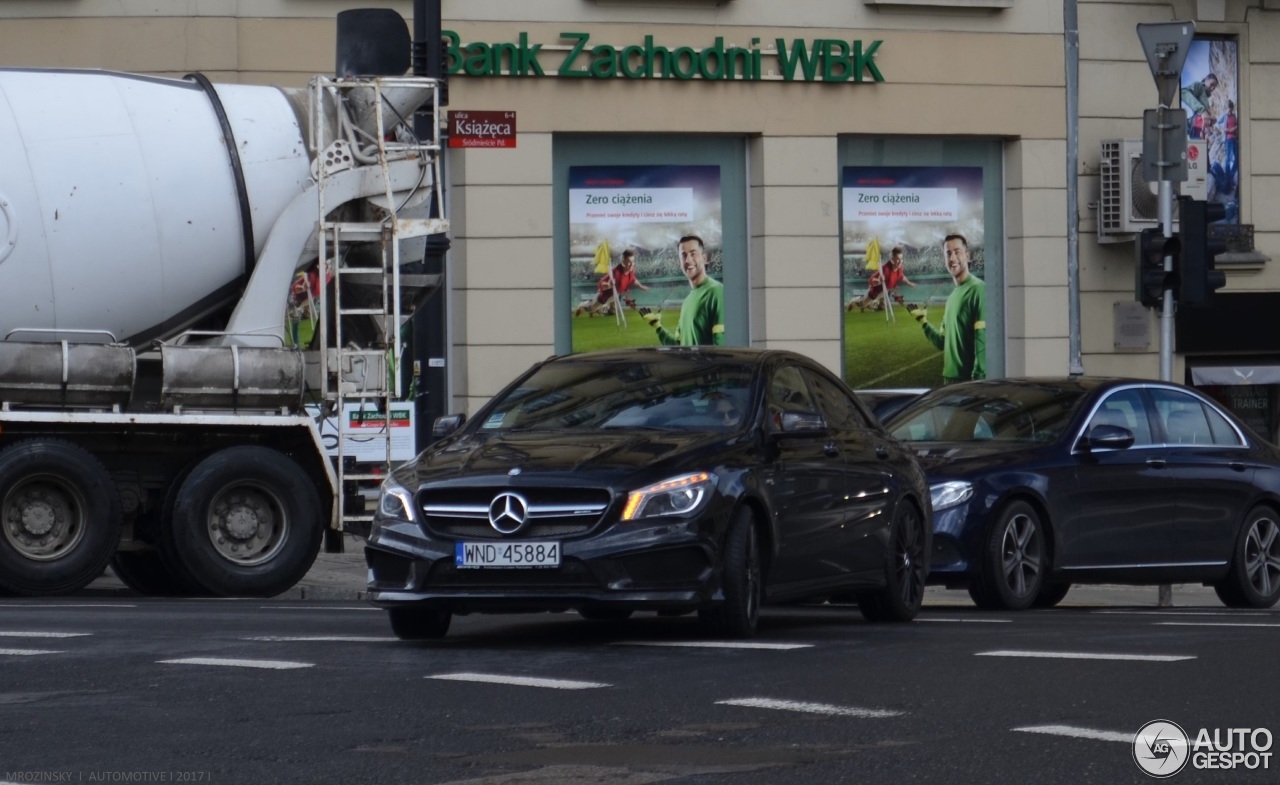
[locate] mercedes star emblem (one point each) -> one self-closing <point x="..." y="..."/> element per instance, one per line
<point x="507" y="512"/>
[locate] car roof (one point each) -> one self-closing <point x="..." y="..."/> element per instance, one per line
<point x="730" y="354"/>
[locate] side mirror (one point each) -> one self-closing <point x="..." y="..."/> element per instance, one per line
<point x="800" y="424"/>
<point x="1108" y="437"/>
<point x="443" y="426"/>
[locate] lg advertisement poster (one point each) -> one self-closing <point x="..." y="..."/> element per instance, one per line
<point x="1210" y="95"/>
<point x="645" y="261"/>
<point x="913" y="276"/>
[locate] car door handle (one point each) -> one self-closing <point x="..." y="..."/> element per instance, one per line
<point x="831" y="449"/>
<point x="882" y="451"/>
<point x="1156" y="463"/>
<point x="1237" y="466"/>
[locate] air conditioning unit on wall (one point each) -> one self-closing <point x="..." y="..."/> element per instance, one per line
<point x="1128" y="202"/>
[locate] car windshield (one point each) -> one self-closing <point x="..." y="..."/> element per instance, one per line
<point x="667" y="394"/>
<point x="1002" y="413"/>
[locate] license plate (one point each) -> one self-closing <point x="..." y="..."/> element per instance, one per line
<point x="506" y="555"/>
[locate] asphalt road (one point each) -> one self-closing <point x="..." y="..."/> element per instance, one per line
<point x="118" y="689"/>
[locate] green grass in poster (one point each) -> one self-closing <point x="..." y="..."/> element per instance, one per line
<point x="880" y="353"/>
<point x="604" y="332"/>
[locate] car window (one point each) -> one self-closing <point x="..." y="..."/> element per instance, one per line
<point x="1188" y="421"/>
<point x="788" y="393"/>
<point x="664" y="394"/>
<point x="837" y="406"/>
<point x="991" y="411"/>
<point x="1126" y="409"/>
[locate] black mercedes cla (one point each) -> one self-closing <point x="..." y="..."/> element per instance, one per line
<point x="665" y="479"/>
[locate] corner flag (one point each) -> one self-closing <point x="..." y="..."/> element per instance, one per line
<point x="873" y="254"/>
<point x="602" y="257"/>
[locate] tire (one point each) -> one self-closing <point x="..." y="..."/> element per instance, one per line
<point x="1014" y="561"/>
<point x="742" y="581"/>
<point x="906" y="571"/>
<point x="246" y="522"/>
<point x="605" y="614"/>
<point x="419" y="624"/>
<point x="1051" y="594"/>
<point x="1254" y="578"/>
<point x="60" y="518"/>
<point x="147" y="573"/>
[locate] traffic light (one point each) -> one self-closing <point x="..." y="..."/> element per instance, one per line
<point x="1199" y="279"/>
<point x="1151" y="280"/>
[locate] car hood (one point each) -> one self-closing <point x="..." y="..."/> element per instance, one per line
<point x="966" y="457"/>
<point x="597" y="452"/>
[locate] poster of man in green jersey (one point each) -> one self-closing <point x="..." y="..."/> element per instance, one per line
<point x="912" y="272"/>
<point x="646" y="265"/>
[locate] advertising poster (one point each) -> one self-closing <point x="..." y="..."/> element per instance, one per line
<point x="1210" y="96"/>
<point x="631" y="283"/>
<point x="361" y="430"/>
<point x="913" y="276"/>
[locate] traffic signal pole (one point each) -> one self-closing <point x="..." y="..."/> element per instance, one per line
<point x="1167" y="301"/>
<point x="1166" y="45"/>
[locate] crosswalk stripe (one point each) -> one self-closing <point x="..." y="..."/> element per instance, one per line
<point x="26" y="652"/>
<point x="718" y="644"/>
<point x="47" y="605"/>
<point x="44" y="634"/>
<point x="1080" y="655"/>
<point x="970" y="621"/>
<point x="1078" y="733"/>
<point x="519" y="681"/>
<point x="323" y="638"/>
<point x="811" y="708"/>
<point x="236" y="663"/>
<point x="1213" y="624"/>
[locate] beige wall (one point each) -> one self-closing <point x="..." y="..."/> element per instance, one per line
<point x="1115" y="87"/>
<point x="949" y="72"/>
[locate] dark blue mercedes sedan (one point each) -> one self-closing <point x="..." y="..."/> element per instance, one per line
<point x="1038" y="484"/>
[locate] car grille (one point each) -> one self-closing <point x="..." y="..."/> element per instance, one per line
<point x="552" y="512"/>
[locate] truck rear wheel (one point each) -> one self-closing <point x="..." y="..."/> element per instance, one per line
<point x="246" y="522"/>
<point x="60" y="517"/>
<point x="147" y="572"/>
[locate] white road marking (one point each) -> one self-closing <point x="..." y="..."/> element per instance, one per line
<point x="811" y="708"/>
<point x="519" y="681"/>
<point x="278" y="665"/>
<point x="1213" y="624"/>
<point x="717" y="644"/>
<point x="45" y="634"/>
<point x="1078" y="733"/>
<point x="303" y="606"/>
<point x="1080" y="655"/>
<point x="1179" y="612"/>
<point x="26" y="652"/>
<point x="323" y="638"/>
<point x="971" y="621"/>
<point x="46" y="605"/>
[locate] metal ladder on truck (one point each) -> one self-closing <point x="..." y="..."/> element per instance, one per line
<point x="362" y="381"/>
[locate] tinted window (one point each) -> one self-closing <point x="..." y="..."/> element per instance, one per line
<point x="1222" y="431"/>
<point x="1188" y="421"/>
<point x="660" y="394"/>
<point x="1127" y="410"/>
<point x="982" y="412"/>
<point x="836" y="405"/>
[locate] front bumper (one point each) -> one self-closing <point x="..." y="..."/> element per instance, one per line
<point x="951" y="558"/>
<point x="664" y="565"/>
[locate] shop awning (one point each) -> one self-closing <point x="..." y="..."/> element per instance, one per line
<point x="1235" y="374"/>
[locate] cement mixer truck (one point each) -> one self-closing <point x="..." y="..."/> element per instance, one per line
<point x="192" y="277"/>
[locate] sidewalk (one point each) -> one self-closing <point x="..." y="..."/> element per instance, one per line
<point x="342" y="577"/>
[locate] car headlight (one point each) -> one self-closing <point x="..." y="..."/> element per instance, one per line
<point x="949" y="494"/>
<point x="395" y="501"/>
<point x="683" y="495"/>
